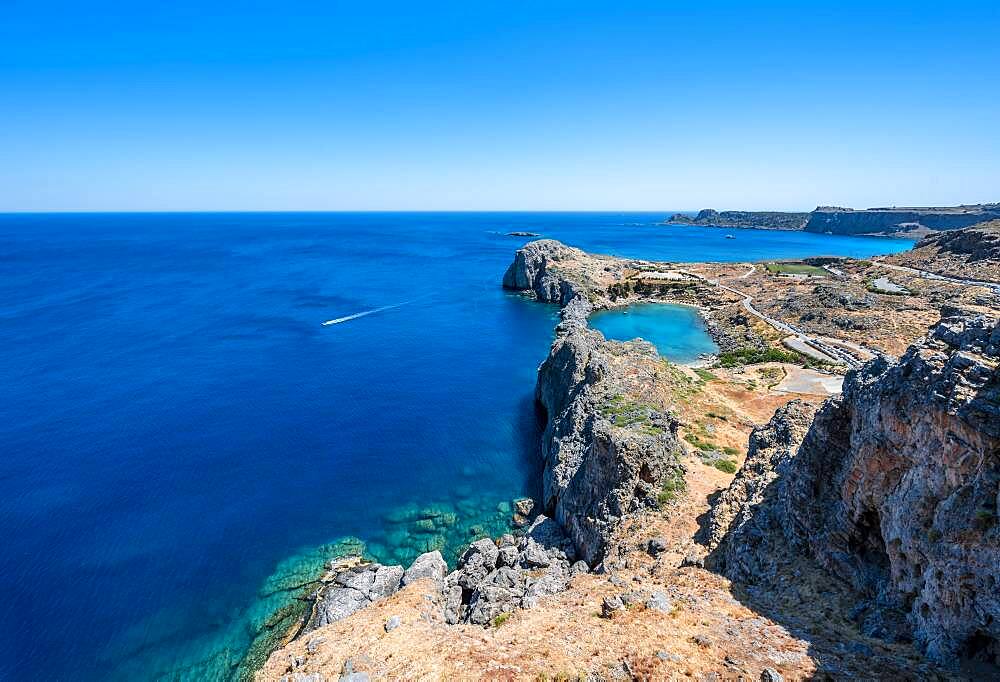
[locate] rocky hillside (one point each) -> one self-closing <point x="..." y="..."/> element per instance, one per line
<point x="970" y="253"/>
<point x="606" y="452"/>
<point x="766" y="220"/>
<point x="894" y="489"/>
<point x="609" y="578"/>
<point x="836" y="220"/>
<point x="902" y="221"/>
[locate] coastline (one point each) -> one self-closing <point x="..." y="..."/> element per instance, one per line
<point x="578" y="300"/>
<point x="605" y="403"/>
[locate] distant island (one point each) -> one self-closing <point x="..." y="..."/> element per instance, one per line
<point x="885" y="221"/>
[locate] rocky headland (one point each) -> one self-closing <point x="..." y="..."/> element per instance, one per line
<point x="971" y="253"/>
<point x="767" y="220"/>
<point x="858" y="538"/>
<point x="836" y="220"/>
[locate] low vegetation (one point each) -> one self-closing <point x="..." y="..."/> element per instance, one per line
<point x="704" y="374"/>
<point x="726" y="465"/>
<point x="501" y="619"/>
<point x="795" y="269"/>
<point x="623" y="413"/>
<point x="755" y="356"/>
<point x="673" y="485"/>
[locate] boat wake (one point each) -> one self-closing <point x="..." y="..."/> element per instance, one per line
<point x="363" y="313"/>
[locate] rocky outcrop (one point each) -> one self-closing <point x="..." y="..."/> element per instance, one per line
<point x="352" y="585"/>
<point x="606" y="454"/>
<point x="894" y="489"/>
<point x="532" y="271"/>
<point x="972" y="253"/>
<point x="746" y="520"/>
<point x="492" y="578"/>
<point x="977" y="243"/>
<point x="767" y="220"/>
<point x="837" y="220"/>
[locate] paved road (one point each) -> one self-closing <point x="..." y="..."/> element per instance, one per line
<point x="826" y="349"/>
<point x="804" y="342"/>
<point x="942" y="278"/>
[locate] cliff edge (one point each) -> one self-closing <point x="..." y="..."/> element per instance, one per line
<point x="893" y="489"/>
<point x="607" y="451"/>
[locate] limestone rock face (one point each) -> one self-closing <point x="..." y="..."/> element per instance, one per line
<point x="492" y="580"/>
<point x="530" y="270"/>
<point x="428" y="565"/>
<point x="353" y="588"/>
<point x="748" y="515"/>
<point x="595" y="471"/>
<point x="895" y="489"/>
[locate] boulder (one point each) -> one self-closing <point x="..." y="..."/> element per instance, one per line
<point x="657" y="546"/>
<point x="427" y="565"/>
<point x="611" y="605"/>
<point x="659" y="601"/>
<point x="507" y="556"/>
<point x="500" y="592"/>
<point x="352" y="589"/>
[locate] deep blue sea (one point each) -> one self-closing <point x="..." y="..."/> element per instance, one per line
<point x="183" y="440"/>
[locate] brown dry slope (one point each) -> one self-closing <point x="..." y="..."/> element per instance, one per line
<point x="622" y="425"/>
<point x="972" y="253"/>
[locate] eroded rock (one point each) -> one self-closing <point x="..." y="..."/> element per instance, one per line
<point x="894" y="489"/>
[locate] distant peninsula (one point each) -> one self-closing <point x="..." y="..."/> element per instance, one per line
<point x="886" y="221"/>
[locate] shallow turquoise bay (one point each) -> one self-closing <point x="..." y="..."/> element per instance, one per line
<point x="678" y="331"/>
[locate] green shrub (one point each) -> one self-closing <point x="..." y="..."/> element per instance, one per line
<point x="703" y="445"/>
<point x="704" y="374"/>
<point x="754" y="356"/>
<point x="501" y="619"/>
<point x="728" y="466"/>
<point x="672" y="486"/>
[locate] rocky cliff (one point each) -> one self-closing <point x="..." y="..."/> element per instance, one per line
<point x="970" y="253"/>
<point x="893" y="489"/>
<point x="890" y="221"/>
<point x="765" y="220"/>
<point x="606" y="452"/>
<point x="532" y="270"/>
<point x="836" y="220"/>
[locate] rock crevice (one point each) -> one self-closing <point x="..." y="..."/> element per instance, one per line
<point x="894" y="489"/>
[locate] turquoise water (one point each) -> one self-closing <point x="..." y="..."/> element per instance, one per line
<point x="184" y="442"/>
<point x="677" y="331"/>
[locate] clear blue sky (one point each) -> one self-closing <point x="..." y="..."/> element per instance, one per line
<point x="497" y="105"/>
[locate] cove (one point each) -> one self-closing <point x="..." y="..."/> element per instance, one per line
<point x="677" y="331"/>
<point x="185" y="443"/>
